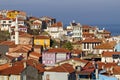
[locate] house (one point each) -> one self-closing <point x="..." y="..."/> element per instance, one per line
<point x="36" y="24"/>
<point x="52" y="56"/>
<point x="20" y="50"/>
<point x="105" y="46"/>
<point x="56" y="30"/>
<point x="77" y="53"/>
<point x="37" y="48"/>
<point x="5" y="24"/>
<point x="24" y="38"/>
<point x="110" y="56"/>
<point x="77" y="31"/>
<point x="20" y="22"/>
<point x="88" y="35"/>
<point x="42" y="41"/>
<point x="75" y="62"/>
<point x="61" y="72"/>
<point x="13" y="13"/>
<point x="103" y="34"/>
<point x="47" y="21"/>
<point x="35" y="56"/>
<point x="89" y="44"/>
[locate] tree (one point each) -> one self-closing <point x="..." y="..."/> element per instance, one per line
<point x="4" y="35"/>
<point x="68" y="46"/>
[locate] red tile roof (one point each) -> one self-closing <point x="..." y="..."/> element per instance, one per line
<point x="35" y="54"/>
<point x="12" y="70"/>
<point x="58" y="24"/>
<point x="4" y="66"/>
<point x="107" y="45"/>
<point x="91" y="40"/>
<point x="62" y="68"/>
<point x="57" y="50"/>
<point x="76" y="51"/>
<point x="41" y="37"/>
<point x="106" y="65"/>
<point x="109" y="54"/>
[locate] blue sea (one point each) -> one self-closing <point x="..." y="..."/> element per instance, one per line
<point x="113" y="28"/>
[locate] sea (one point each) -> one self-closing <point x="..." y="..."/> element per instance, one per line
<point x="113" y="28"/>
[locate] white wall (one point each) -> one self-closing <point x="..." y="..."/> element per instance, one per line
<point x="56" y="75"/>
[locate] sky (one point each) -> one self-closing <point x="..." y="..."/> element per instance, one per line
<point x="83" y="11"/>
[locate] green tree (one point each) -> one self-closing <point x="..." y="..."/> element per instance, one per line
<point x="4" y="35"/>
<point x="68" y="45"/>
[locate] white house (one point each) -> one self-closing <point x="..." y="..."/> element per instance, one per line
<point x="110" y="57"/>
<point x="5" y="24"/>
<point x="77" y="31"/>
<point x="56" y="30"/>
<point x="106" y="46"/>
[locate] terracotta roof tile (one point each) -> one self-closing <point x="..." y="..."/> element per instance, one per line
<point x="91" y="40"/>
<point x="58" y="24"/>
<point x="76" y="51"/>
<point x="4" y="66"/>
<point x="35" y="54"/>
<point x="109" y="54"/>
<point x="41" y="37"/>
<point x="12" y="70"/>
<point x="57" y="50"/>
<point x="62" y="68"/>
<point x="107" y="45"/>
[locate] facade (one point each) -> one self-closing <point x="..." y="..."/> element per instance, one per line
<point x="106" y="46"/>
<point x="52" y="56"/>
<point x="5" y="24"/>
<point x="47" y="21"/>
<point x="56" y="30"/>
<point x="110" y="57"/>
<point x="37" y="24"/>
<point x="103" y="34"/>
<point x="89" y="44"/>
<point x="77" y="31"/>
<point x="24" y="38"/>
<point x="42" y="41"/>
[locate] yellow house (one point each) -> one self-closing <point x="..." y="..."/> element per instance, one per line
<point x="12" y="14"/>
<point x="42" y="40"/>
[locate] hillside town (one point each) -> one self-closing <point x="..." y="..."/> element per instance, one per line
<point x="42" y="48"/>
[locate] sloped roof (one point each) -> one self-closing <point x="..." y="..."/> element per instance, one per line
<point x="107" y="45"/>
<point x="62" y="68"/>
<point x="76" y="51"/>
<point x="57" y="24"/>
<point x="57" y="50"/>
<point x="41" y="37"/>
<point x="109" y="54"/>
<point x="35" y="54"/>
<point x="91" y="40"/>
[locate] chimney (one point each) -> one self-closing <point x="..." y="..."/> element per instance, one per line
<point x="16" y="32"/>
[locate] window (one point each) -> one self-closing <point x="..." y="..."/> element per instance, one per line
<point x="9" y="21"/>
<point x="4" y="21"/>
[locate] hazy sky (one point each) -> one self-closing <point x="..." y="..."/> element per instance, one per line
<point x="83" y="11"/>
